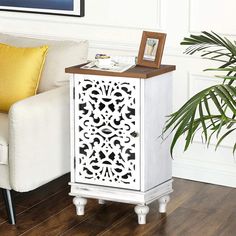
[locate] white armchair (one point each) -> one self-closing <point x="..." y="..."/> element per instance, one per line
<point x="34" y="135"/>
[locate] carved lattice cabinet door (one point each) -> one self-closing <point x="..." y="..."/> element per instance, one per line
<point x="107" y="131"/>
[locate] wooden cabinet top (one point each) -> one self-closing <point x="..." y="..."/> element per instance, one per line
<point x="134" y="72"/>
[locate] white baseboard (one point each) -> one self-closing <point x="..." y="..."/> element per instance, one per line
<point x="213" y="173"/>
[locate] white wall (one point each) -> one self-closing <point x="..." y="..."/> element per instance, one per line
<point x="115" y="27"/>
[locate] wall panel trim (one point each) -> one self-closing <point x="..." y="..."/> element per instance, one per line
<point x="75" y="20"/>
<point x="193" y="31"/>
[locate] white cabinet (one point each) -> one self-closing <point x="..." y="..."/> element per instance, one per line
<point x="116" y="151"/>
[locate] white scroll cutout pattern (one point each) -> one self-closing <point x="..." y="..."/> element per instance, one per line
<point x="106" y="121"/>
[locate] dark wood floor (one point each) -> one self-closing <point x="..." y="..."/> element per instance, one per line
<point x="195" y="209"/>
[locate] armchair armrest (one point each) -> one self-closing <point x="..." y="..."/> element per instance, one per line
<point x="39" y="145"/>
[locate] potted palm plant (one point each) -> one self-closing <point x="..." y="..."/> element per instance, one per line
<point x="211" y="111"/>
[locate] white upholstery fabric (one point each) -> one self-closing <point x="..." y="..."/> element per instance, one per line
<point x="39" y="139"/>
<point x="61" y="54"/>
<point x="4" y="169"/>
<point x="4" y="177"/>
<point x="3" y="138"/>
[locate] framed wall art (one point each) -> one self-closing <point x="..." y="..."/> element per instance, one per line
<point x="151" y="49"/>
<point x="56" y="7"/>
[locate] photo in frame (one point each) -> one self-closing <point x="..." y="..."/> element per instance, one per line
<point x="55" y="7"/>
<point x="151" y="49"/>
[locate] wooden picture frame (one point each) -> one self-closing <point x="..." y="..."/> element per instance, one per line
<point x="52" y="7"/>
<point x="151" y="49"/>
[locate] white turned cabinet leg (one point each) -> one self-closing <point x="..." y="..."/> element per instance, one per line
<point x="100" y="201"/>
<point x="79" y="204"/>
<point x="141" y="211"/>
<point x="163" y="203"/>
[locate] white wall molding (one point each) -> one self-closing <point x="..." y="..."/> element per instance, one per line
<point x="159" y="15"/>
<point x="205" y="172"/>
<point x="131" y="48"/>
<point x="208" y="17"/>
<point x="20" y="16"/>
<point x="64" y="20"/>
<point x="43" y="36"/>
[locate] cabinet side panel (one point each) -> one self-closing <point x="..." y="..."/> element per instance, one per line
<point x="156" y="105"/>
<point x="72" y="133"/>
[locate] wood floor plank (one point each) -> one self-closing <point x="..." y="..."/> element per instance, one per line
<point x="159" y="224"/>
<point x="64" y="220"/>
<point x="208" y="198"/>
<point x="195" y="209"/>
<point x="128" y="226"/>
<point x="103" y="219"/>
<point x="178" y="199"/>
<point x="109" y="214"/>
<point x="84" y="229"/>
<point x="229" y="227"/>
<point x="28" y="199"/>
<point x="210" y="224"/>
<point x="179" y="223"/>
<point x="184" y="190"/>
<point x="229" y="201"/>
<point x="3" y="213"/>
<point x="35" y="215"/>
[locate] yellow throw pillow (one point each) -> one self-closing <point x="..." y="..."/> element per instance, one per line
<point x="20" y="71"/>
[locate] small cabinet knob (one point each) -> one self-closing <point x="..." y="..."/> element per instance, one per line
<point x="134" y="134"/>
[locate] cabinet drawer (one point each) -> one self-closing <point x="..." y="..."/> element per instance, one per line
<point x="107" y="131"/>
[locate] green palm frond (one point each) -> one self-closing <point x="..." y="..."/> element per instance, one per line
<point x="213" y="110"/>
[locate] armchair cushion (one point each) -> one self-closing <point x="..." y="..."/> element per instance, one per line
<point x="3" y="138"/>
<point x="53" y="75"/>
<point x="20" y="73"/>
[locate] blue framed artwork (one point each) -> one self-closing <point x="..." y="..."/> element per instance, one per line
<point x="58" y="7"/>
